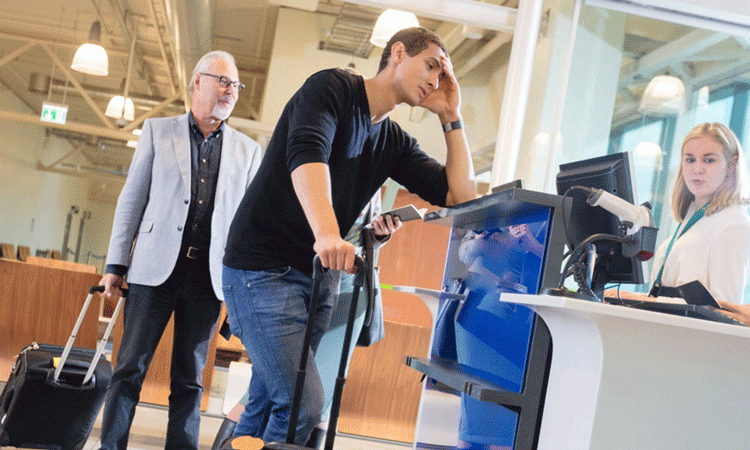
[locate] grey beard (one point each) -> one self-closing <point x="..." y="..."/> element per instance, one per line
<point x="221" y="112"/>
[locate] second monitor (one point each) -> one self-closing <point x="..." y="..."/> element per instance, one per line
<point x="612" y="173"/>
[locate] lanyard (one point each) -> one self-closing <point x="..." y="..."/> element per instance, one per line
<point x="694" y="218"/>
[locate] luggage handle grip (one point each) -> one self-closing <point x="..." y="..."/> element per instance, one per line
<point x="72" y="338"/>
<point x="100" y="289"/>
<point x="359" y="278"/>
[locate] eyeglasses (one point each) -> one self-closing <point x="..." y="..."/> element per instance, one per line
<point x="226" y="81"/>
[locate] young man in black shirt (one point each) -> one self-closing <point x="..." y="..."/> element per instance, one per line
<point x="333" y="148"/>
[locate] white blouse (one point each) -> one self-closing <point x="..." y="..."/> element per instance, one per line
<point x="714" y="251"/>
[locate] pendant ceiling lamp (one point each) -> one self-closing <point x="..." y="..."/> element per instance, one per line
<point x="91" y="58"/>
<point x="664" y="96"/>
<point x="121" y="106"/>
<point x="390" y="22"/>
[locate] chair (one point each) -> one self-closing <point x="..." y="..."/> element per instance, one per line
<point x="23" y="252"/>
<point x="8" y="251"/>
<point x="55" y="254"/>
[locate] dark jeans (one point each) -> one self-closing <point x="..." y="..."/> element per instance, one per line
<point x="188" y="294"/>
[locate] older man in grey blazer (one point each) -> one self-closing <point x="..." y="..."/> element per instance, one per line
<point x="184" y="184"/>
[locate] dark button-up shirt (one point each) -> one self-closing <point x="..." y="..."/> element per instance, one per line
<point x="206" y="156"/>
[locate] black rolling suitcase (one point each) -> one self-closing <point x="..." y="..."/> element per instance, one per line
<point x="54" y="393"/>
<point x="338" y="389"/>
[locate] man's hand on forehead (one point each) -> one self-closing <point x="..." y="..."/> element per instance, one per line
<point x="445" y="65"/>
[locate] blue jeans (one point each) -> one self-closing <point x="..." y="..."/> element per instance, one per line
<point x="268" y="311"/>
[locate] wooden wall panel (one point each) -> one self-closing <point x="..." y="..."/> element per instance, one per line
<point x="415" y="255"/>
<point x="42" y="304"/>
<point x="381" y="395"/>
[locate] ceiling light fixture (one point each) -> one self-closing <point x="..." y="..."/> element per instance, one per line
<point x="91" y="58"/>
<point x="121" y="106"/>
<point x="664" y="96"/>
<point x="472" y="32"/>
<point x="134" y="143"/>
<point x="648" y="149"/>
<point x="390" y="22"/>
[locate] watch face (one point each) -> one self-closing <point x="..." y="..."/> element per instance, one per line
<point x="452" y="126"/>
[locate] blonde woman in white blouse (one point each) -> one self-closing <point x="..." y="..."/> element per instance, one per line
<point x="709" y="200"/>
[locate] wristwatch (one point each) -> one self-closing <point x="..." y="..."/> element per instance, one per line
<point x="449" y="126"/>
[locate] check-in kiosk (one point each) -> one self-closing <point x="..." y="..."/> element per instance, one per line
<point x="489" y="359"/>
<point x="580" y="375"/>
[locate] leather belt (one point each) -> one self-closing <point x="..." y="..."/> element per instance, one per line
<point x="195" y="253"/>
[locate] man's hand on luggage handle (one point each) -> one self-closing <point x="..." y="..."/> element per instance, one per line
<point x="335" y="253"/>
<point x="112" y="284"/>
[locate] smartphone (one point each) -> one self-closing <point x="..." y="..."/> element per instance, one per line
<point x="407" y="213"/>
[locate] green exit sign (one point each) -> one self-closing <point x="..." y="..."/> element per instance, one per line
<point x="53" y="112"/>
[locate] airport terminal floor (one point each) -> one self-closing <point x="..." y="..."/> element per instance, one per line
<point x="150" y="425"/>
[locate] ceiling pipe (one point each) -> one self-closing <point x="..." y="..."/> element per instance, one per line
<point x="173" y="86"/>
<point x="130" y="33"/>
<point x="483" y="53"/>
<point x="144" y="102"/>
<point x="191" y="25"/>
<point x="75" y="127"/>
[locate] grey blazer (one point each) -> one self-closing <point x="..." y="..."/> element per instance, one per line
<point x="153" y="205"/>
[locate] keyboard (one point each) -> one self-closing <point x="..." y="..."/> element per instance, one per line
<point x="677" y="309"/>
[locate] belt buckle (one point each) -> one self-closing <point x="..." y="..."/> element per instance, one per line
<point x="192" y="252"/>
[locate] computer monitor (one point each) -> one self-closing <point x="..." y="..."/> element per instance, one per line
<point x="614" y="174"/>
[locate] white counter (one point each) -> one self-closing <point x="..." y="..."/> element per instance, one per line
<point x="623" y="378"/>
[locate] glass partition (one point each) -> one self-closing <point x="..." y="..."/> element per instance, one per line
<point x="618" y="62"/>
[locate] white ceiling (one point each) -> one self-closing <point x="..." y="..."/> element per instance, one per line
<point x="38" y="39"/>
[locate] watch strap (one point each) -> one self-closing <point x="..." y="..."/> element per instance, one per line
<point x="449" y="126"/>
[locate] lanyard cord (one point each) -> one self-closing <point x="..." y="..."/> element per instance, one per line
<point x="694" y="218"/>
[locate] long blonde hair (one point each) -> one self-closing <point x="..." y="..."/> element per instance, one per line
<point x="733" y="190"/>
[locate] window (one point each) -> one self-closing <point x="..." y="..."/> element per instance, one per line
<point x="615" y="56"/>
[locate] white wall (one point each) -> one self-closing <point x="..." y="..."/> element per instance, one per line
<point x="34" y="204"/>
<point x="296" y="56"/>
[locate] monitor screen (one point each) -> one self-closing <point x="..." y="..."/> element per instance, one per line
<point x="614" y="174"/>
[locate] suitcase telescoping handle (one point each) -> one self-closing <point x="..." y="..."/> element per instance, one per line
<point x="363" y="273"/>
<point x="102" y="342"/>
<point x="318" y="272"/>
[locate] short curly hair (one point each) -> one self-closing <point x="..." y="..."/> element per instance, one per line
<point x="415" y="39"/>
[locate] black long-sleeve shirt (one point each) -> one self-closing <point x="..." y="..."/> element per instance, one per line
<point x="326" y="121"/>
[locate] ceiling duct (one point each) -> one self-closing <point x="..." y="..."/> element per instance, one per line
<point x="192" y="32"/>
<point x="351" y="31"/>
